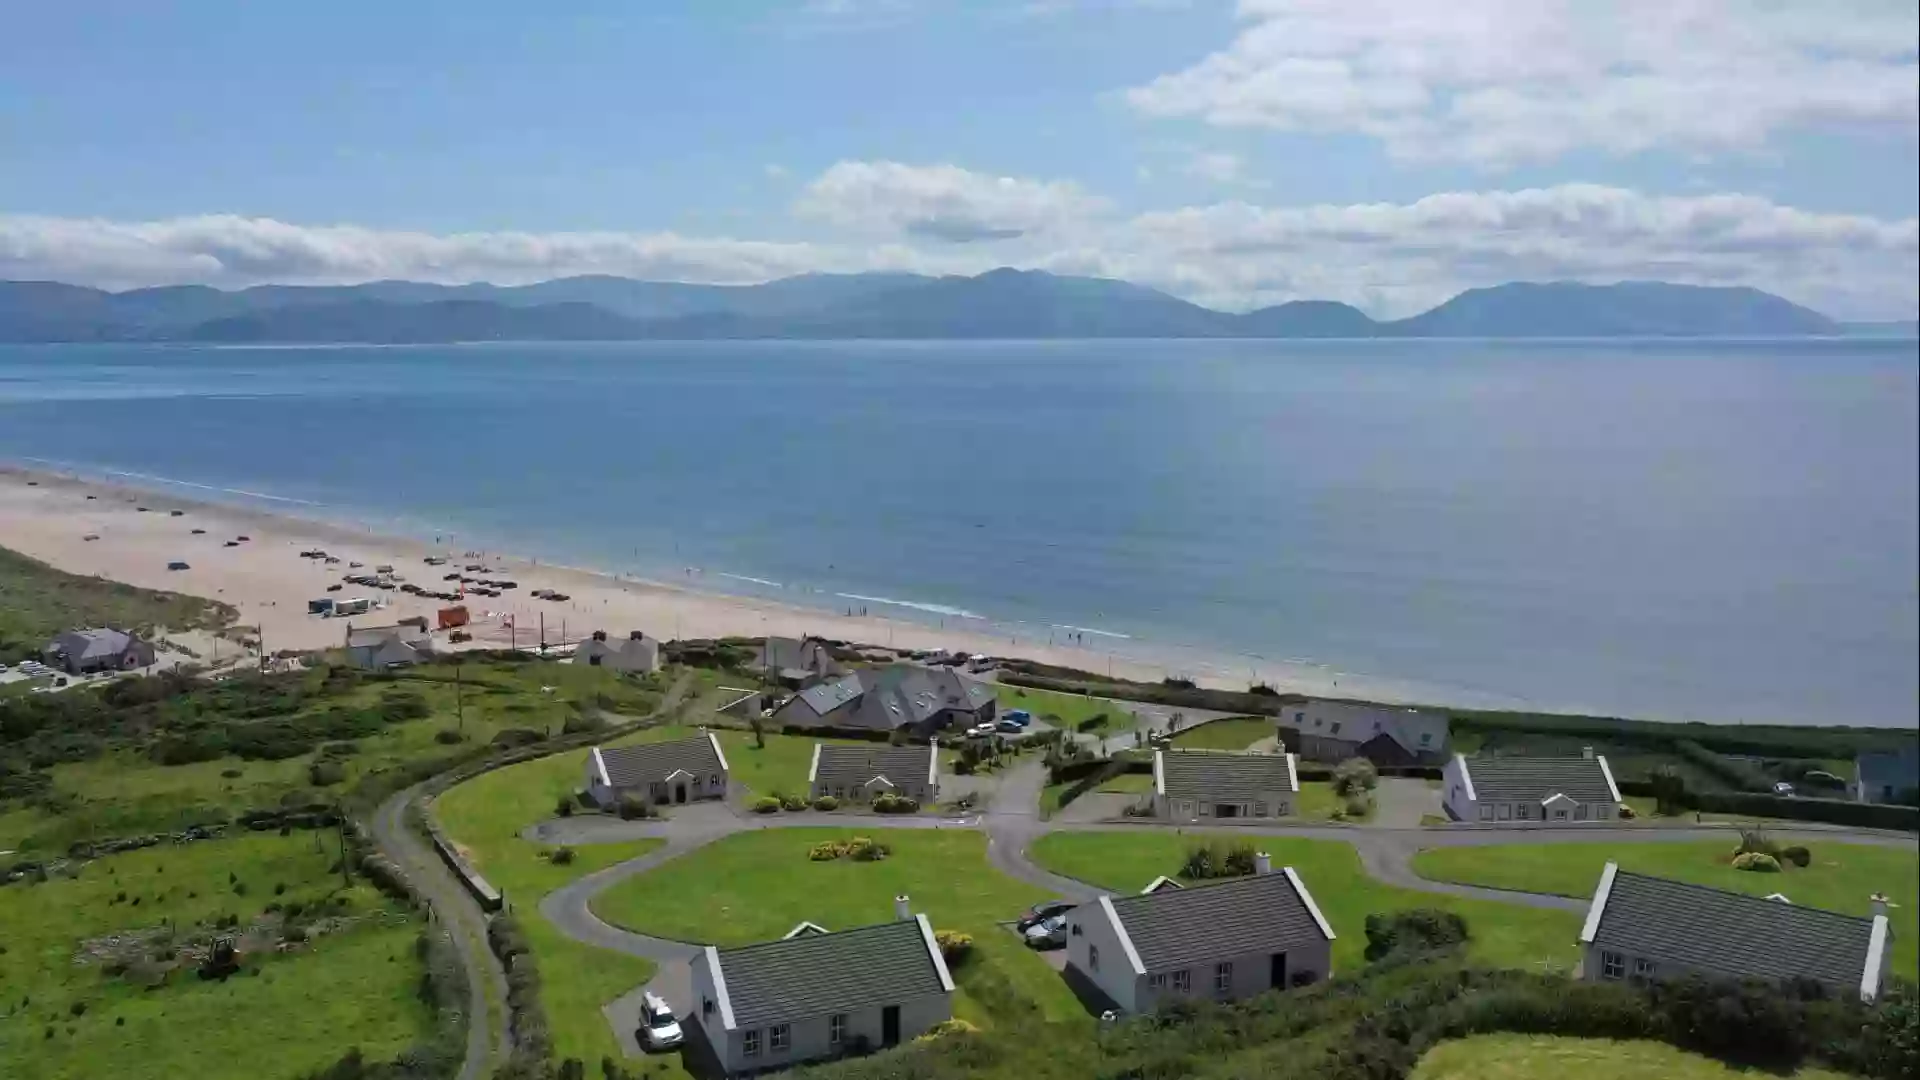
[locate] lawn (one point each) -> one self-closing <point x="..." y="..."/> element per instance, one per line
<point x="1317" y="802"/>
<point x="300" y="1009"/>
<point x="779" y="767"/>
<point x="1840" y="878"/>
<point x="756" y="886"/>
<point x="1067" y="710"/>
<point x="1504" y="935"/>
<point x="1525" y="1057"/>
<point x="1234" y="733"/>
<point x="1128" y="783"/>
<point x="38" y="602"/>
<point x="484" y="816"/>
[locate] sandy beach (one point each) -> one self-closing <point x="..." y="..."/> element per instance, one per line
<point x="46" y="516"/>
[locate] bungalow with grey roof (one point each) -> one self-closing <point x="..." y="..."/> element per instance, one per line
<point x="80" y="652"/>
<point x="1554" y="790"/>
<point x="377" y="648"/>
<point x="1393" y="735"/>
<point x="1216" y="784"/>
<point x="1223" y="941"/>
<point x="857" y="772"/>
<point x="636" y="653"/>
<point x="814" y="995"/>
<point x="1888" y="776"/>
<point x="919" y="699"/>
<point x="1641" y="927"/>
<point x="684" y="770"/>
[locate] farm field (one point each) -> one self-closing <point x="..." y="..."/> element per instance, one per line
<point x="1527" y="1057"/>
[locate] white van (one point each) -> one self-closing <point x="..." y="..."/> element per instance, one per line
<point x="658" y="1028"/>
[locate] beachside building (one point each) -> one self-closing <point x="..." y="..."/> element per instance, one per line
<point x="1641" y="927"/>
<point x="1554" y="790"/>
<point x="796" y="661"/>
<point x="1882" y="776"/>
<point x="82" y="652"/>
<point x="1392" y="735"/>
<point x="636" y="653"/>
<point x="858" y="772"/>
<point x="1221" y="941"/>
<point x="684" y="770"/>
<point x="919" y="699"/>
<point x="1189" y="785"/>
<point x="814" y="995"/>
<point x="377" y="648"/>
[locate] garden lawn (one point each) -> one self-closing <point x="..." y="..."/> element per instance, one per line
<point x="1504" y="935"/>
<point x="1067" y="710"/>
<point x="1128" y="783"/>
<point x="1526" y="1057"/>
<point x="484" y="817"/>
<point x="779" y="767"/>
<point x="1840" y="878"/>
<point x="301" y="1011"/>
<point x="1234" y="733"/>
<point x="756" y="886"/>
<point x="1318" y="801"/>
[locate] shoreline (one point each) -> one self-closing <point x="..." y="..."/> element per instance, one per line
<point x="45" y="512"/>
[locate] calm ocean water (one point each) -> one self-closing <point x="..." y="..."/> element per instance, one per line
<point x="1709" y="530"/>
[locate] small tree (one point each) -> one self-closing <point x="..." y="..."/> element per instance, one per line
<point x="1669" y="791"/>
<point x="759" y="734"/>
<point x="1355" y="776"/>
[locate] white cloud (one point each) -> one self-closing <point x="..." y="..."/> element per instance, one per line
<point x="1389" y="258"/>
<point x="1503" y="81"/>
<point x="1221" y="168"/>
<point x="943" y="202"/>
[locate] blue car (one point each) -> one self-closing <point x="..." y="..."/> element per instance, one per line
<point x="1019" y="717"/>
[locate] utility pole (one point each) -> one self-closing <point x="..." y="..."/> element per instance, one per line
<point x="340" y="822"/>
<point x="459" y="698"/>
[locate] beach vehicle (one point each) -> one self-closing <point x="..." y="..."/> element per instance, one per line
<point x="451" y="577"/>
<point x="355" y="565"/>
<point x="178" y="565"/>
<point x="176" y="513"/>
<point x="558" y="596"/>
<point x="231" y="543"/>
<point x="658" y="1029"/>
<point x="199" y="532"/>
<point x="979" y="662"/>
<point x="322" y="606"/>
<point x="450" y="617"/>
<point x="243" y="538"/>
<point x="336" y="587"/>
<point x="91" y="536"/>
<point x="142" y="509"/>
<point x="359" y="605"/>
<point x="383" y="568"/>
<point x="459" y="636"/>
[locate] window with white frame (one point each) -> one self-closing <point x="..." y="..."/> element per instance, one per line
<point x="1206" y="809"/>
<point x="750" y="1042"/>
<point x="780" y="1037"/>
<point x="1093" y="958"/>
<point x="1259" y="808"/>
<point x="1157" y="981"/>
<point x="1642" y="969"/>
<point x="1506" y="811"/>
<point x="1486" y="813"/>
<point x="1183" y="982"/>
<point x="836" y="1029"/>
<point x="1223" y="978"/>
<point x="1612" y="965"/>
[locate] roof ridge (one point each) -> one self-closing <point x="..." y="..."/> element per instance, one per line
<point x="735" y="950"/>
<point x="1723" y="891"/>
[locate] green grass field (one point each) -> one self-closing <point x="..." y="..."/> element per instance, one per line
<point x="484" y="816"/>
<point x="1317" y="802"/>
<point x="301" y="1010"/>
<point x="123" y="791"/>
<point x="1067" y="710"/>
<point x="1235" y="733"/>
<point x="1527" y="1057"/>
<point x="1840" y="878"/>
<point x="1130" y="783"/>
<point x="779" y="767"/>
<point x="756" y="886"/>
<point x="38" y="601"/>
<point x="1504" y="935"/>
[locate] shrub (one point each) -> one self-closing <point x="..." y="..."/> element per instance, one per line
<point x="791" y="802"/>
<point x="324" y="773"/>
<point x="563" y="807"/>
<point x="1757" y="861"/>
<point x="561" y="856"/>
<point x="1756" y="840"/>
<point x="1627" y="813"/>
<point x="867" y="849"/>
<point x="1353" y="776"/>
<point x="631" y="807"/>
<point x="448" y="737"/>
<point x="945" y="1028"/>
<point x="1743" y="1022"/>
<point x="827" y="850"/>
<point x="232" y="774"/>
<point x="508" y="738"/>
<point x="895" y="804"/>
<point x="1417" y="930"/>
<point x="1797" y="855"/>
<point x="954" y="946"/>
<point x="765" y="804"/>
<point x="1217" y="860"/>
<point x="826" y="802"/>
<point x="1358" y="806"/>
<point x="399" y="705"/>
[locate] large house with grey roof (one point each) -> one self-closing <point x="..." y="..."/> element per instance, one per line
<point x="1333" y="731"/>
<point x="797" y="661"/>
<point x="857" y="772"/>
<point x="1640" y="928"/>
<point x="379" y="648"/>
<point x="636" y="653"/>
<point x="684" y="770"/>
<point x="920" y="699"/>
<point x="1887" y="776"/>
<point x="80" y="652"/>
<point x="1190" y="785"/>
<point x="1223" y="941"/>
<point x="815" y="995"/>
<point x="1553" y="790"/>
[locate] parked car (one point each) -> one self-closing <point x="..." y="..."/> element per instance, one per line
<point x="980" y="731"/>
<point x="1783" y="788"/>
<point x="1018" y="716"/>
<point x="558" y="596"/>
<point x="658" y="1028"/>
<point x="1043" y="911"/>
<point x="1007" y="725"/>
<point x="199" y="532"/>
<point x="1050" y="933"/>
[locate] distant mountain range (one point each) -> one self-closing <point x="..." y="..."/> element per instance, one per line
<point x="1001" y="303"/>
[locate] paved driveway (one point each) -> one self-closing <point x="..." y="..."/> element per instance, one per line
<point x="1401" y="801"/>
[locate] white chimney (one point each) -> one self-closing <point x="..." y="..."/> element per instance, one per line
<point x="1262" y="863"/>
<point x="1879" y="902"/>
<point x="901" y="909"/>
<point x="1587" y="752"/>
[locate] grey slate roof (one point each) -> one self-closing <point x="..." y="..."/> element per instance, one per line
<point x="375" y="635"/>
<point x="1533" y="779"/>
<point x="1202" y="923"/>
<point x="1224" y="774"/>
<point x="1359" y="723"/>
<point x="829" y="696"/>
<point x="644" y="763"/>
<point x="96" y="644"/>
<point x="852" y="766"/>
<point x="818" y="974"/>
<point x="900" y="694"/>
<point x="1731" y="933"/>
<point x="1880" y="769"/>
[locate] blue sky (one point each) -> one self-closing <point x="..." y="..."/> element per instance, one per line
<point x="1386" y="153"/>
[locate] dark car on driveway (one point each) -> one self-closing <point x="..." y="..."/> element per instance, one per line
<point x="1043" y="911"/>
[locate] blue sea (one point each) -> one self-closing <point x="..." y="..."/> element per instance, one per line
<point x="1709" y="530"/>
